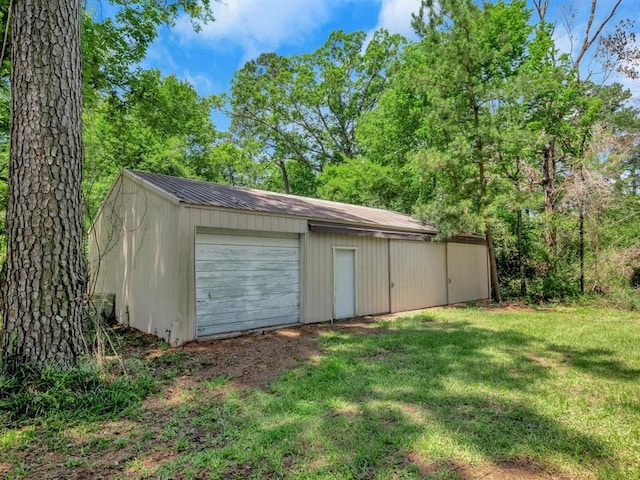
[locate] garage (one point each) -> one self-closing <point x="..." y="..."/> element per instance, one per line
<point x="187" y="260"/>
<point x="246" y="282"/>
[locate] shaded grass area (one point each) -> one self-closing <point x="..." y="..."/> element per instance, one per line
<point x="451" y="393"/>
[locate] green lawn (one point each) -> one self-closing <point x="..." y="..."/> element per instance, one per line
<point x="451" y="393"/>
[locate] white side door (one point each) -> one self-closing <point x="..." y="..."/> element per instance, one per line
<point x="344" y="282"/>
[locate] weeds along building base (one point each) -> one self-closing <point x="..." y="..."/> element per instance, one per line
<point x="185" y="259"/>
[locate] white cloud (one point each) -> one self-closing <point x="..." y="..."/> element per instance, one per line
<point x="395" y="16"/>
<point x="201" y="82"/>
<point x="161" y="57"/>
<point x="259" y="25"/>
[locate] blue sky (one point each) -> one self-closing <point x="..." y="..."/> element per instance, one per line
<point x="245" y="28"/>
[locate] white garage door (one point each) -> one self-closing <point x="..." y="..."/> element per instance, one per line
<point x="246" y="282"/>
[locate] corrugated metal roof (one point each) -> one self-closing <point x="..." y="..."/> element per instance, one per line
<point x="197" y="192"/>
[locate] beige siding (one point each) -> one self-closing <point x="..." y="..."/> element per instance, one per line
<point x="133" y="247"/>
<point x="468" y="272"/>
<point x="418" y="274"/>
<point x="372" y="275"/>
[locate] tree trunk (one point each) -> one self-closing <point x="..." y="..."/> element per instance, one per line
<point x="285" y="175"/>
<point x="581" y="247"/>
<point x="493" y="266"/>
<point x="549" y="187"/>
<point x="44" y="278"/>
<point x="523" y="280"/>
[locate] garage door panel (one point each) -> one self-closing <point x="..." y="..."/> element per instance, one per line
<point x="241" y="252"/>
<point x="234" y="321"/>
<point x="217" y="328"/>
<point x="246" y="277"/>
<point x="224" y="290"/>
<point x="246" y="282"/>
<point x="248" y="302"/>
<point x="247" y="240"/>
<point x="245" y="264"/>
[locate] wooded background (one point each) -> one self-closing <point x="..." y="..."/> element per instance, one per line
<point x="482" y="125"/>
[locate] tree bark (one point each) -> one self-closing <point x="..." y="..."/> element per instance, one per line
<point x="523" y="280"/>
<point x="44" y="277"/>
<point x="285" y="175"/>
<point x="581" y="250"/>
<point x="493" y="265"/>
<point x="549" y="187"/>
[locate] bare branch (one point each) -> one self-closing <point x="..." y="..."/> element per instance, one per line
<point x="588" y="40"/>
<point x="542" y="6"/>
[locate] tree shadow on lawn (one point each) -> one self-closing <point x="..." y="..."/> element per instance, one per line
<point x="597" y="362"/>
<point x="386" y="401"/>
<point x="425" y="400"/>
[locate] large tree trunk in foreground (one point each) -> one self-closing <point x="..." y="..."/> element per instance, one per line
<point x="44" y="280"/>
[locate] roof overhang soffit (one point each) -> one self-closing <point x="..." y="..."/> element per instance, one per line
<point x="360" y="231"/>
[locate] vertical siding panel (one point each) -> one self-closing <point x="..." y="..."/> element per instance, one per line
<point x="223" y="219"/>
<point x="270" y="223"/>
<point x="468" y="272"/>
<point x="371" y="278"/>
<point x="315" y="273"/>
<point x="378" y="267"/>
<point x="320" y="293"/>
<point x="243" y="221"/>
<point x="326" y="279"/>
<point x="214" y="218"/>
<point x="194" y="215"/>
<point x="234" y="220"/>
<point x="360" y="283"/>
<point x="310" y="288"/>
<point x="368" y="280"/>
<point x="185" y="257"/>
<point x="361" y="275"/>
<point x="251" y="222"/>
<point x="309" y="268"/>
<point x="258" y="223"/>
<point x="417" y="271"/>
<point x="267" y="223"/>
<point x="387" y="274"/>
<point x="383" y="277"/>
<point x="290" y="225"/>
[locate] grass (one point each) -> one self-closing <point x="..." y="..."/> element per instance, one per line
<point x="450" y="393"/>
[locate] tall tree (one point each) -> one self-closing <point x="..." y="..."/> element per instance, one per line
<point x="467" y="58"/>
<point x="595" y="45"/>
<point x="43" y="273"/>
<point x="305" y="108"/>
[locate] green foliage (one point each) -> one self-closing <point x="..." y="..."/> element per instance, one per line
<point x="159" y="124"/>
<point x="78" y="394"/>
<point x="361" y="182"/>
<point x="114" y="46"/>
<point x="305" y="108"/>
<point x="489" y="119"/>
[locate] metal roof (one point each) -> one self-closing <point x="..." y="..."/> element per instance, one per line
<point x="197" y="192"/>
